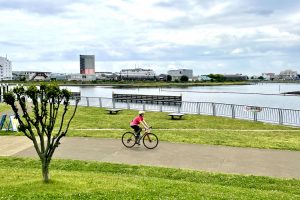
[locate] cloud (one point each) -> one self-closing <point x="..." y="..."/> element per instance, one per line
<point x="45" y="7"/>
<point x="237" y="51"/>
<point x="208" y="35"/>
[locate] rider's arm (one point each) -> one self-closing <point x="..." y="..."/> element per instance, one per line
<point x="145" y="124"/>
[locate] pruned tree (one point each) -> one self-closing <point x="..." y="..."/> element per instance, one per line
<point x="38" y="118"/>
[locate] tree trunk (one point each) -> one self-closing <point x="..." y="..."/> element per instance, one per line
<point x="45" y="170"/>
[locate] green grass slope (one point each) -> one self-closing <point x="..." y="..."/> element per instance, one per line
<point x="21" y="179"/>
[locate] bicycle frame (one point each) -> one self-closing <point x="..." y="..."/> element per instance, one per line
<point x="146" y="131"/>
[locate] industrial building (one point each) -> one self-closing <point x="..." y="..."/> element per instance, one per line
<point x="178" y="73"/>
<point x="81" y="77"/>
<point x="137" y="74"/>
<point x="30" y="75"/>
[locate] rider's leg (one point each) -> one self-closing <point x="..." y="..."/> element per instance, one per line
<point x="136" y="129"/>
<point x="139" y="131"/>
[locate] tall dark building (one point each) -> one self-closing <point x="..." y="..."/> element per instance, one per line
<point x="87" y="64"/>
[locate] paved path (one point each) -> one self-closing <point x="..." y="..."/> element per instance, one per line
<point x="12" y="145"/>
<point x="275" y="163"/>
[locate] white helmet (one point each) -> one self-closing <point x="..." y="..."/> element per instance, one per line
<point x="141" y="112"/>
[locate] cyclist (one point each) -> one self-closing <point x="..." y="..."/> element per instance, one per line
<point x="134" y="124"/>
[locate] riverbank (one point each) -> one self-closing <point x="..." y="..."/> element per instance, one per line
<point x="137" y="84"/>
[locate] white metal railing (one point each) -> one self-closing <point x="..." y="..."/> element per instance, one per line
<point x="265" y="114"/>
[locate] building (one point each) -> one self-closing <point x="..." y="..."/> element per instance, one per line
<point x="5" y="69"/>
<point x="288" y="75"/>
<point x="58" y="77"/>
<point x="87" y="64"/>
<point x="105" y="76"/>
<point x="137" y="74"/>
<point x="30" y="75"/>
<point x="178" y="73"/>
<point x="268" y="76"/>
<point x="81" y="77"/>
<point x="163" y="77"/>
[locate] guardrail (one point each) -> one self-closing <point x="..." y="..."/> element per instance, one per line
<point x="263" y="114"/>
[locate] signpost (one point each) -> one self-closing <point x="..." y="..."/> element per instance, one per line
<point x="2" y="121"/>
<point x="13" y="123"/>
<point x="255" y="110"/>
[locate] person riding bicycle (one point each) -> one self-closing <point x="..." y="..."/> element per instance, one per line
<point x="134" y="124"/>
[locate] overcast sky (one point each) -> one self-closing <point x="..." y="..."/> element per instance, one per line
<point x="228" y="36"/>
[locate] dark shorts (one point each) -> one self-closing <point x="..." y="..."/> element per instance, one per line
<point x="136" y="128"/>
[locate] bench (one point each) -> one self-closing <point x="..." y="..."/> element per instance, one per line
<point x="113" y="110"/>
<point x="178" y="115"/>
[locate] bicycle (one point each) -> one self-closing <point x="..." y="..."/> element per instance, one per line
<point x="150" y="140"/>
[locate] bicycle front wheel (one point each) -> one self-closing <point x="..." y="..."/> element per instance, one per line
<point x="150" y="141"/>
<point x="128" y="139"/>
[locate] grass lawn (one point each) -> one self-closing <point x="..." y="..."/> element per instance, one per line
<point x="21" y="179"/>
<point x="4" y="108"/>
<point x="207" y="129"/>
<point x="196" y="129"/>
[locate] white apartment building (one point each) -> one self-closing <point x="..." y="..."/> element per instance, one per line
<point x="288" y="75"/>
<point x="178" y="73"/>
<point x="5" y="69"/>
<point x="138" y="73"/>
<point x="268" y="76"/>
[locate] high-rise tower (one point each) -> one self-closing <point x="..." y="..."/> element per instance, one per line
<point x="87" y="64"/>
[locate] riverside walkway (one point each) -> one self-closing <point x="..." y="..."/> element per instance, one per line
<point x="249" y="161"/>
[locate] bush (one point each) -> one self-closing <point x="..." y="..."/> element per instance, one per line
<point x="184" y="78"/>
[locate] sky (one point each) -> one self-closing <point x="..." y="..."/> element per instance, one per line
<point x="229" y="36"/>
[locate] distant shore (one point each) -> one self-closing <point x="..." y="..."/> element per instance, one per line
<point x="149" y="84"/>
<point x="140" y="84"/>
<point x="292" y="93"/>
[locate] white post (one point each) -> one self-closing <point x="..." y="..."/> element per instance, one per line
<point x="100" y="102"/>
<point x="87" y="102"/>
<point x="232" y="111"/>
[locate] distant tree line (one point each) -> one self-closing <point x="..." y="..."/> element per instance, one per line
<point x="217" y="77"/>
<point x="222" y="78"/>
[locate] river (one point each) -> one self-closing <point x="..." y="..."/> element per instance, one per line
<point x="218" y="94"/>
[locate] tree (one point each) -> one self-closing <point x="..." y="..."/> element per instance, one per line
<point x="22" y="78"/>
<point x="217" y="77"/>
<point x="261" y="78"/>
<point x="39" y="125"/>
<point x="169" y="78"/>
<point x="184" y="78"/>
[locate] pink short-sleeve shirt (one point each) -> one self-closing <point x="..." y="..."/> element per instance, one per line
<point x="136" y="121"/>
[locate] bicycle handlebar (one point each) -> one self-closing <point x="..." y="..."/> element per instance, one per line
<point x="147" y="129"/>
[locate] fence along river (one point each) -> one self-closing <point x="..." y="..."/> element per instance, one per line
<point x="263" y="114"/>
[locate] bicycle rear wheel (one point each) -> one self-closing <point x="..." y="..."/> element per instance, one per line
<point x="150" y="140"/>
<point x="128" y="139"/>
